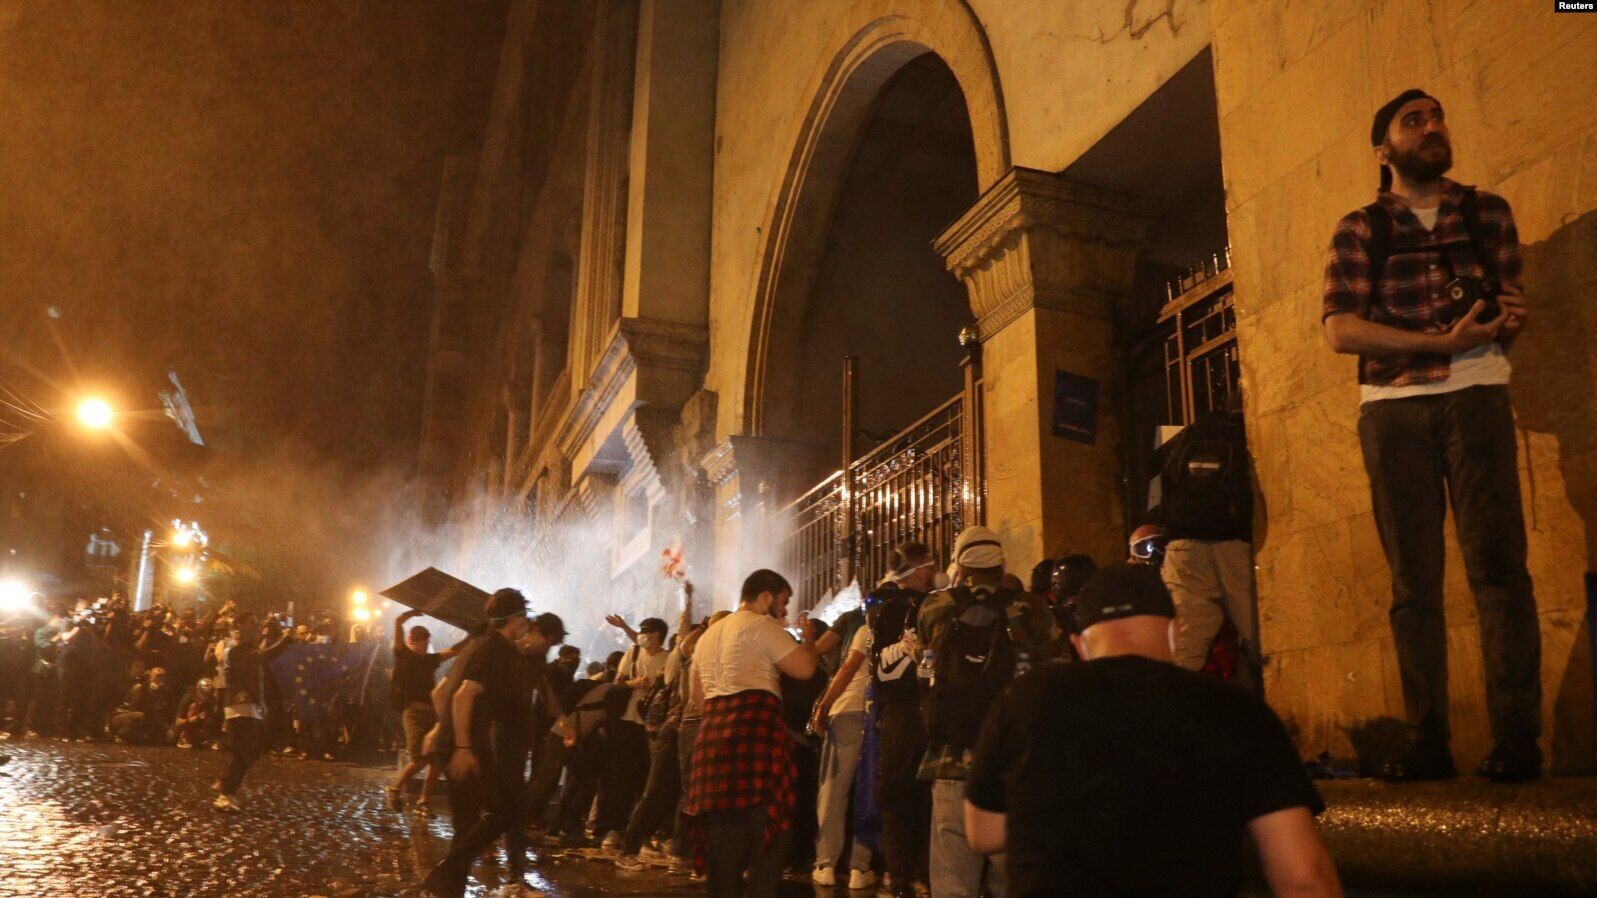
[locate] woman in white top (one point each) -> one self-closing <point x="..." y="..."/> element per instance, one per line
<point x="741" y="790"/>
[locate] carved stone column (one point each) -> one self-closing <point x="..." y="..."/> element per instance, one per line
<point x="604" y="200"/>
<point x="1045" y="260"/>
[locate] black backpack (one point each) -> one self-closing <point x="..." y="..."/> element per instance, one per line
<point x="1207" y="492"/>
<point x="893" y="610"/>
<point x="974" y="660"/>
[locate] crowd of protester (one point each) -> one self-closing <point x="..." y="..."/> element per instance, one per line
<point x="98" y="670"/>
<point x="942" y="740"/>
<point x="919" y="745"/>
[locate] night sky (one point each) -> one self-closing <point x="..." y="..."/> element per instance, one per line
<point x="242" y="192"/>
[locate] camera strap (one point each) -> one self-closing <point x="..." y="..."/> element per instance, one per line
<point x="1470" y="210"/>
<point x="1380" y="245"/>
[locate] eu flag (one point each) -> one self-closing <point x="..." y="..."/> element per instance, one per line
<point x="317" y="680"/>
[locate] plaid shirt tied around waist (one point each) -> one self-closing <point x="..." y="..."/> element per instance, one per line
<point x="1410" y="294"/>
<point x="743" y="758"/>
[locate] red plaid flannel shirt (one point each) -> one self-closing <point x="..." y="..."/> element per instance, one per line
<point x="743" y="758"/>
<point x="1410" y="295"/>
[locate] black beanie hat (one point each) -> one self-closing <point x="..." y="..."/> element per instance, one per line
<point x="1383" y="120"/>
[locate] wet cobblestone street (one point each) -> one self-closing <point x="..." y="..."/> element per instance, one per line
<point x="99" y="819"/>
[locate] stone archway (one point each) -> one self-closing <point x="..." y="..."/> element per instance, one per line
<point x="874" y="43"/>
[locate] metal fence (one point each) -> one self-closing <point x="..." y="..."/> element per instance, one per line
<point x="913" y="486"/>
<point x="810" y="543"/>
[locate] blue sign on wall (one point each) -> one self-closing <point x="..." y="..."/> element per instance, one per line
<point x="1075" y="407"/>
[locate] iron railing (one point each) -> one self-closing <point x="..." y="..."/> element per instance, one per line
<point x="914" y="486"/>
<point x="809" y="545"/>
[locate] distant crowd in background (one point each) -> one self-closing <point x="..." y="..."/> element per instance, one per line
<point x="98" y="670"/>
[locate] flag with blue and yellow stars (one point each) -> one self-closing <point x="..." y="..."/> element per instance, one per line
<point x="317" y="680"/>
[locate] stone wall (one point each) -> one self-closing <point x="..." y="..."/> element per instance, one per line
<point x="1297" y="85"/>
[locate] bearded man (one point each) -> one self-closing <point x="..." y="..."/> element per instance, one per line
<point x="1423" y="286"/>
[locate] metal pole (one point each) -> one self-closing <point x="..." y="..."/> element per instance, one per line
<point x="850" y="410"/>
<point x="141" y="581"/>
<point x="974" y="467"/>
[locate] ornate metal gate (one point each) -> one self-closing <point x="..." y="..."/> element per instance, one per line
<point x="924" y="483"/>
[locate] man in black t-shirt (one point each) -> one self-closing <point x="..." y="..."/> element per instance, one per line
<point x="1128" y="775"/>
<point x="905" y="799"/>
<point x="414" y="670"/>
<point x="491" y="713"/>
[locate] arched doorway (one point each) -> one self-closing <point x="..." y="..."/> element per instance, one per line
<point x="858" y="277"/>
<point x="876" y="290"/>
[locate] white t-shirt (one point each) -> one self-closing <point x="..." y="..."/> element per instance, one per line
<point x="1484" y="365"/>
<point x="739" y="652"/>
<point x="853" y="697"/>
<point x="645" y="665"/>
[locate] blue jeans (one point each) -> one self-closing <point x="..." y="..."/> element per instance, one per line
<point x="733" y="847"/>
<point x="839" y="757"/>
<point x="956" y="869"/>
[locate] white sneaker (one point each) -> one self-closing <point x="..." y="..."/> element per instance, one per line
<point x="629" y="862"/>
<point x="824" y="876"/>
<point x="861" y="879"/>
<point x="651" y="853"/>
<point x="611" y="841"/>
<point x="227" y="803"/>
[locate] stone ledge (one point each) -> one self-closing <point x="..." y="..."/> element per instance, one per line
<point x="1465" y="837"/>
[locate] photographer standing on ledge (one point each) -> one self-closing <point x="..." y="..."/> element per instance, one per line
<point x="1423" y="286"/>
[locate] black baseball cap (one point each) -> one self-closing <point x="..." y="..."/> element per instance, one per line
<point x="551" y="626"/>
<point x="1122" y="590"/>
<point x="1383" y="120"/>
<point x="505" y="603"/>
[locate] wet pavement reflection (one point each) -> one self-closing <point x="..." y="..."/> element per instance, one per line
<point x="79" y="819"/>
<point x="97" y="819"/>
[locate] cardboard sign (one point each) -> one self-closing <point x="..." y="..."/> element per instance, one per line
<point x="437" y="594"/>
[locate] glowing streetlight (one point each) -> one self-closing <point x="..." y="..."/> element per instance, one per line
<point x="359" y="597"/>
<point x="14" y="596"/>
<point x="362" y="613"/>
<point x="186" y="574"/>
<point x="95" y="413"/>
<point x="182" y="538"/>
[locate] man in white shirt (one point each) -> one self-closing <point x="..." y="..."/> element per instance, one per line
<point x="741" y="786"/>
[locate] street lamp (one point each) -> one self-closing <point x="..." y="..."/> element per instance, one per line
<point x="95" y="413"/>
<point x="358" y="597"/>
<point x="185" y="574"/>
<point x="14" y="596"/>
<point x="362" y="613"/>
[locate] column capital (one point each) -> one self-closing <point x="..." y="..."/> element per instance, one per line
<point x="761" y="466"/>
<point x="1037" y="239"/>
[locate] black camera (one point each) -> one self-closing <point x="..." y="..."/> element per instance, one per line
<point x="1465" y="290"/>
